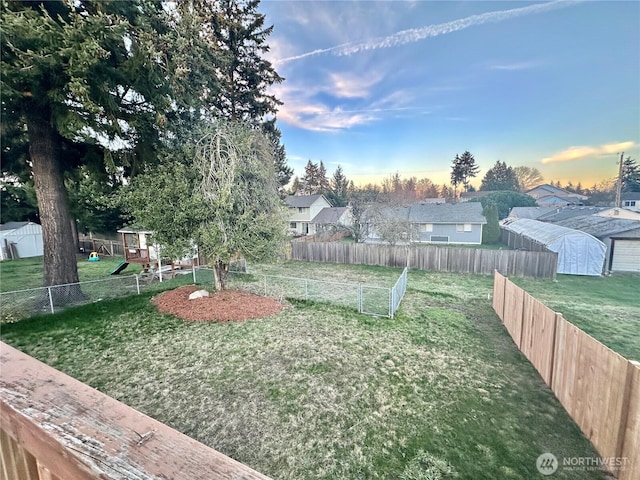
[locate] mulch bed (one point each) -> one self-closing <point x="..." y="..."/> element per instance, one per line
<point x="225" y="306"/>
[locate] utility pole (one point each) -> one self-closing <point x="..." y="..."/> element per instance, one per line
<point x="619" y="183"/>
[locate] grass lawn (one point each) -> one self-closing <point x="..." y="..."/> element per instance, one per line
<point x="26" y="273"/>
<point x="607" y="308"/>
<point x="321" y="392"/>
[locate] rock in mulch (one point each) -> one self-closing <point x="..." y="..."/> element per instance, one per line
<point x="225" y="306"/>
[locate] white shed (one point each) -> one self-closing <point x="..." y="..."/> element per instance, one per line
<point x="578" y="252"/>
<point x="20" y="240"/>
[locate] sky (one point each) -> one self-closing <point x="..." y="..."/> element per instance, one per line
<point x="404" y="86"/>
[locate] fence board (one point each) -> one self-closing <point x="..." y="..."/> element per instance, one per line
<point x="498" y="294"/>
<point x="599" y="388"/>
<point x="513" y="304"/>
<point x="630" y="443"/>
<point x="538" y="337"/>
<point x="590" y="382"/>
<point x="430" y="257"/>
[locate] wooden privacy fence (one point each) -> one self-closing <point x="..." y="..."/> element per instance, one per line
<point x="54" y="427"/>
<point x="599" y="388"/>
<point x="431" y="257"/>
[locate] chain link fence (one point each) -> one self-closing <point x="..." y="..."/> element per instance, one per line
<point x="367" y="299"/>
<point x="21" y="304"/>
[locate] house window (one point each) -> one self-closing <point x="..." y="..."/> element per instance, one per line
<point x="293" y="225"/>
<point x="630" y="203"/>
<point x="426" y="227"/>
<point x="302" y="210"/>
<point x="439" y="239"/>
<point x="463" y="227"/>
<point x="305" y="228"/>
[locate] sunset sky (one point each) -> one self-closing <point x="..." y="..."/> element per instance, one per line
<point x="380" y="87"/>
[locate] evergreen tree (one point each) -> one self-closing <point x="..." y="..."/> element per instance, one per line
<point x="491" y="230"/>
<point x="505" y="201"/>
<point x="241" y="35"/>
<point x="323" y="181"/>
<point x="500" y="177"/>
<point x="463" y="169"/>
<point x="311" y="180"/>
<point x="339" y="190"/>
<point x="296" y="186"/>
<point x="630" y="176"/>
<point x="76" y="74"/>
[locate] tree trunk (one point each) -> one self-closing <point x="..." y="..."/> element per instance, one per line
<point x="59" y="254"/>
<point x="220" y="270"/>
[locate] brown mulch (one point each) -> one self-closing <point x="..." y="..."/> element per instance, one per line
<point x="224" y="306"/>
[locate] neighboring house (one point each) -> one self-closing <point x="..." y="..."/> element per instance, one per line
<point x="448" y="223"/>
<point x="303" y="209"/>
<point x="549" y="196"/>
<point x="330" y="218"/>
<point x="458" y="223"/>
<point x="620" y="235"/>
<point x="631" y="201"/>
<point x="20" y="240"/>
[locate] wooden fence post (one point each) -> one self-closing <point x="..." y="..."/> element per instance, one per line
<point x="632" y="380"/>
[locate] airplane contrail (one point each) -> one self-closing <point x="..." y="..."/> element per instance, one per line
<point x="416" y="34"/>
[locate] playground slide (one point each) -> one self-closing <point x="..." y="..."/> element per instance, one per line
<point x="119" y="268"/>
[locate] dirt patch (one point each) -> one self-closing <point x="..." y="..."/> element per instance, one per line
<point x="225" y="306"/>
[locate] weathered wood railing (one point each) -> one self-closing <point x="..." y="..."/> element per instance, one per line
<point x="54" y="427"/>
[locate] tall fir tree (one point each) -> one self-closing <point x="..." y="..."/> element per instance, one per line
<point x="76" y="74"/>
<point x="463" y="169"/>
<point x="339" y="191"/>
<point x="500" y="177"/>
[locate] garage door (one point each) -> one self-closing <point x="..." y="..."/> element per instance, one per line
<point x="626" y="256"/>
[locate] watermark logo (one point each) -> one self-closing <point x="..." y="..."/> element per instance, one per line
<point x="547" y="464"/>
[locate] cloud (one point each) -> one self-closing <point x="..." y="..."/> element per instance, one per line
<point x="417" y="34"/>
<point x="578" y="153"/>
<point x="515" y="66"/>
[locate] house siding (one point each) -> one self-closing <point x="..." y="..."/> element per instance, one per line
<point x="474" y="237"/>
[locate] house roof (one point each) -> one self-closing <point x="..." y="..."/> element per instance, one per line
<point x="302" y="201"/>
<point x="564" y="213"/>
<point x="329" y="215"/>
<point x="553" y="199"/>
<point x="467" y="212"/>
<point x="546" y="189"/>
<point x="630" y="196"/>
<point x="530" y="212"/>
<point x="601" y="227"/>
<point x="4" y="227"/>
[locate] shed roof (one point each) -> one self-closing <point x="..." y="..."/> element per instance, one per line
<point x="4" y="227"/>
<point x="530" y="212"/>
<point x="467" y="212"/>
<point x="601" y="227"/>
<point x="329" y="215"/>
<point x="302" y="201"/>
<point x="542" y="232"/>
<point x="571" y="211"/>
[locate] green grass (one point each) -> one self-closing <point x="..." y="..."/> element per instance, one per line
<point x="607" y="308"/>
<point x="26" y="273"/>
<point x="321" y="392"/>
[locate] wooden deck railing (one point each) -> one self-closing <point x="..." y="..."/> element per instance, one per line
<point x="54" y="427"/>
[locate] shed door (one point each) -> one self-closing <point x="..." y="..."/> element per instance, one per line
<point x="626" y="256"/>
